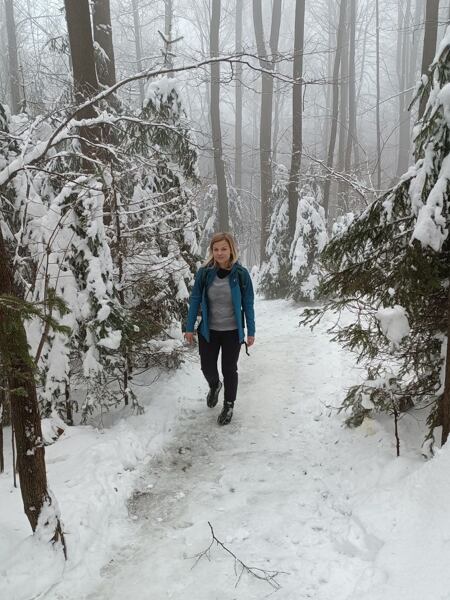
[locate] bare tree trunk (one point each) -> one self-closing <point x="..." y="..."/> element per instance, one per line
<point x="81" y="50"/>
<point x="13" y="62"/>
<point x="406" y="56"/>
<point x="418" y="10"/>
<point x="265" y="129"/>
<point x="2" y="408"/>
<point x="444" y="402"/>
<point x="85" y="81"/>
<point x="352" y="141"/>
<point x="297" y="115"/>
<point x="254" y="183"/>
<point x="238" y="98"/>
<point x="276" y="120"/>
<point x="335" y="104"/>
<point x="4" y="87"/>
<point x="328" y="97"/>
<point x="222" y="196"/>
<point x="25" y="418"/>
<point x="101" y="17"/>
<point x="69" y="405"/>
<point x="343" y="116"/>
<point x="168" y="18"/>
<point x="429" y="44"/>
<point x="378" y="125"/>
<point x="138" y="45"/>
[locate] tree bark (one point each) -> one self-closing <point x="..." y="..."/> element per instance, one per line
<point x="138" y="44"/>
<point x="168" y="18"/>
<point x="429" y="45"/>
<point x="25" y="418"/>
<point x="343" y="116"/>
<point x="444" y="402"/>
<point x="328" y="94"/>
<point x="85" y="81"/>
<point x="297" y="115"/>
<point x="222" y="196"/>
<point x="412" y="75"/>
<point x="378" y="124"/>
<point x="101" y="17"/>
<point x="82" y="52"/>
<point x="335" y="103"/>
<point x="277" y="102"/>
<point x="2" y="408"/>
<point x="13" y="61"/>
<point x="403" y="66"/>
<point x="265" y="129"/>
<point x="351" y="137"/>
<point x="238" y="99"/>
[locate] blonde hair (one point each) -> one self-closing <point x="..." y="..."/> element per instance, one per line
<point x="222" y="236"/>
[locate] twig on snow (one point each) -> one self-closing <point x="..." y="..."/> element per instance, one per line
<point x="240" y="567"/>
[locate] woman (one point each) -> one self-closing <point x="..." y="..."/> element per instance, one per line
<point x="223" y="290"/>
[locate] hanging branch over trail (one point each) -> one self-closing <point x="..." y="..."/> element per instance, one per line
<point x="60" y="132"/>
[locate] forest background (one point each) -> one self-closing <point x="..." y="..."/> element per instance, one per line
<point x="131" y="131"/>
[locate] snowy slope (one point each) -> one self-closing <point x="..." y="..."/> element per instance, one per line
<point x="285" y="487"/>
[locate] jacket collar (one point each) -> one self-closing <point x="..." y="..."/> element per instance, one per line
<point x="215" y="269"/>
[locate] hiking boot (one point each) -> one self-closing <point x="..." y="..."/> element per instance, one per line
<point x="213" y="395"/>
<point x="227" y="412"/>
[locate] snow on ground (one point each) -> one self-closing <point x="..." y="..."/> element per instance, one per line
<point x="285" y="487"/>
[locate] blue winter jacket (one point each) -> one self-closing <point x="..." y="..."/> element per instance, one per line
<point x="242" y="303"/>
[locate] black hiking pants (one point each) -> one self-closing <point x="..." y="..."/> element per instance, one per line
<point x="228" y="342"/>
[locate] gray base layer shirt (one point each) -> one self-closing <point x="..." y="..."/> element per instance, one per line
<point x="221" y="312"/>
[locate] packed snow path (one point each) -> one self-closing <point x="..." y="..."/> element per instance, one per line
<point x="277" y="484"/>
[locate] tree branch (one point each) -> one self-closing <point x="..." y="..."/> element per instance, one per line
<point x="240" y="567"/>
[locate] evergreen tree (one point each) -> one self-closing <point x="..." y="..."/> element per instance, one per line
<point x="108" y="253"/>
<point x="292" y="267"/>
<point x="208" y="217"/>
<point x="309" y="240"/>
<point x="160" y="228"/>
<point x="275" y="271"/>
<point x="391" y="268"/>
<point x="18" y="363"/>
<point x="239" y="215"/>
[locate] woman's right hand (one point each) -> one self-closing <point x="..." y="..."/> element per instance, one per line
<point x="189" y="337"/>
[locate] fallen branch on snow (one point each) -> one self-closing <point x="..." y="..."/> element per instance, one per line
<point x="240" y="567"/>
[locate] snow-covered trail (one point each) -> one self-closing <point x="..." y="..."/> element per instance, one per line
<point x="277" y="484"/>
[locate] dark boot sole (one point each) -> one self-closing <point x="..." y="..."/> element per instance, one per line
<point x="213" y="398"/>
<point x="225" y="416"/>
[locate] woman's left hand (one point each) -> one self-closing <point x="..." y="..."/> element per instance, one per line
<point x="250" y="340"/>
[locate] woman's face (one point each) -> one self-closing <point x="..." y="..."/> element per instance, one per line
<point x="222" y="253"/>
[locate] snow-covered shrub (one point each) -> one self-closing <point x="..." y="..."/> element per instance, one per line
<point x="241" y="216"/>
<point x="309" y="241"/>
<point x="208" y="214"/>
<point x="160" y="230"/>
<point x="107" y="251"/>
<point x="397" y="254"/>
<point x="275" y="271"/>
<point x="342" y="223"/>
